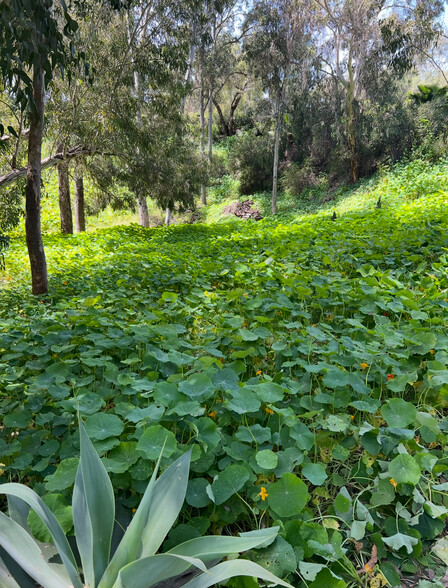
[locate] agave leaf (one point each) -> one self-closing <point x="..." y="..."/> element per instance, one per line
<point x="25" y="551"/>
<point x="93" y="511"/>
<point x="215" y="547"/>
<point x="230" y="569"/>
<point x="167" y="499"/>
<point x="149" y="571"/>
<point x="18" y="491"/>
<point x="18" y="511"/>
<point x="130" y="545"/>
<point x="6" y="579"/>
<point x="153" y="519"/>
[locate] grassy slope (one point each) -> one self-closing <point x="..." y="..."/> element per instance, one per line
<point x="325" y="310"/>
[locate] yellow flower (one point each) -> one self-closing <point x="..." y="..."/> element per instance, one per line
<point x="213" y="414"/>
<point x="263" y="494"/>
<point x="393" y="482"/>
<point x="2" y="471"/>
<point x="364" y="365"/>
<point x="269" y="410"/>
<point x="431" y="351"/>
<point x="258" y="373"/>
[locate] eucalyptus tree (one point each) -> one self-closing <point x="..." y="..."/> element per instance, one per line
<point x="216" y="35"/>
<point x="32" y="44"/>
<point x="129" y="115"/>
<point x="362" y="37"/>
<point x="277" y="49"/>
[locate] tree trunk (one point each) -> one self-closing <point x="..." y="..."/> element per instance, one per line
<point x="202" y="109"/>
<point x="80" y="219"/>
<point x="190" y="63"/>
<point x="39" y="278"/>
<point x="168" y="216"/>
<point x="143" y="214"/>
<point x="210" y="126"/>
<point x="276" y="149"/>
<point x="351" y="138"/>
<point x="65" y="207"/>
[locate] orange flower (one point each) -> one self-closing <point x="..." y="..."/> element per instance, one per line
<point x="213" y="414"/>
<point x="263" y="494"/>
<point x="431" y="351"/>
<point x="390" y="377"/>
<point x="352" y="416"/>
<point x="393" y="482"/>
<point x="258" y="373"/>
<point x="364" y="365"/>
<point x="367" y="568"/>
<point x="269" y="410"/>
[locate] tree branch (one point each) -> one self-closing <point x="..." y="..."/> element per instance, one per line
<point x="17" y="174"/>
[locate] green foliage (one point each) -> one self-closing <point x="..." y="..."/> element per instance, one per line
<point x="134" y="560"/>
<point x="251" y="159"/>
<point x="302" y="181"/>
<point x="306" y="358"/>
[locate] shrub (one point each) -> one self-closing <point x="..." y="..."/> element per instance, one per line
<point x="251" y="158"/>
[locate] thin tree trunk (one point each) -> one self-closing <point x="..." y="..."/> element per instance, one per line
<point x="142" y="205"/>
<point x="168" y="216"/>
<point x="351" y="137"/>
<point x="202" y="109"/>
<point x="65" y="207"/>
<point x="80" y="219"/>
<point x="210" y="126"/>
<point x="276" y="149"/>
<point x="143" y="214"/>
<point x="190" y="63"/>
<point x="39" y="278"/>
<point x="351" y="122"/>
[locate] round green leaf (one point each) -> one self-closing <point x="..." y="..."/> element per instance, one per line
<point x="404" y="469"/>
<point x="229" y="481"/>
<point x="196" y="493"/>
<point x="288" y="496"/>
<point x="198" y="386"/>
<point x="398" y="413"/>
<point x="102" y="425"/>
<point x="153" y="439"/>
<point x="64" y="476"/>
<point x="315" y="473"/>
<point x="267" y="459"/>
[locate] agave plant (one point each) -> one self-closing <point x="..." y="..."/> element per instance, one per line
<point x="135" y="563"/>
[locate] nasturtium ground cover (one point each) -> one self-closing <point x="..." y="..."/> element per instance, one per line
<point x="307" y="358"/>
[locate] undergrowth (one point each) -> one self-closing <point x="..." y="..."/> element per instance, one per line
<point x="304" y="360"/>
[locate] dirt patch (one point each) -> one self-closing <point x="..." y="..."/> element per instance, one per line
<point x="243" y="210"/>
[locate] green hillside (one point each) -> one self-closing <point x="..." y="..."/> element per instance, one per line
<point x="298" y="345"/>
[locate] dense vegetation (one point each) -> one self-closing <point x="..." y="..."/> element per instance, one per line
<point x="304" y="360"/>
<point x="299" y="363"/>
